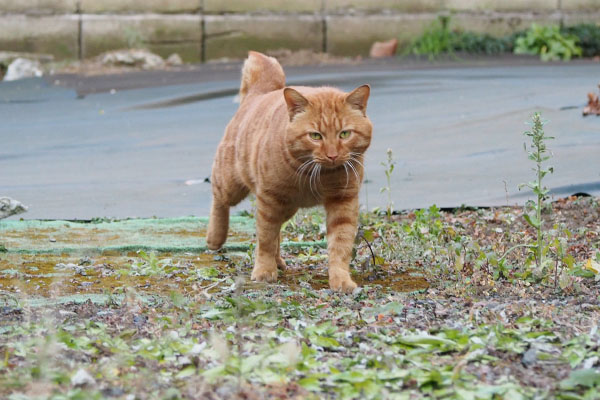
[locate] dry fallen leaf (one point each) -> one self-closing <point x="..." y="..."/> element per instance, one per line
<point x="592" y="266"/>
<point x="593" y="106"/>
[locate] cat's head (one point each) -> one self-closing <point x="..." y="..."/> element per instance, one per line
<point x="327" y="125"/>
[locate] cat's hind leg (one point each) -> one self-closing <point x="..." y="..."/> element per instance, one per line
<point x="279" y="260"/>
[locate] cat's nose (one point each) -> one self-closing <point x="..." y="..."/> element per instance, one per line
<point x="332" y="157"/>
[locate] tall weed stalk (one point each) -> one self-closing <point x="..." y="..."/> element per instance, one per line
<point x="389" y="164"/>
<point x="538" y="153"/>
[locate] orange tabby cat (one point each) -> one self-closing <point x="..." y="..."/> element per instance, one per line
<point x="292" y="147"/>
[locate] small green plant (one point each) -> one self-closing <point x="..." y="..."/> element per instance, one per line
<point x="389" y="164"/>
<point x="538" y="153"/>
<point x="589" y="38"/>
<point x="149" y="265"/>
<point x="427" y="224"/>
<point x="480" y="43"/>
<point x="548" y="42"/>
<point x="133" y="37"/>
<point x="250" y="254"/>
<point x="438" y="39"/>
<point x="435" y="40"/>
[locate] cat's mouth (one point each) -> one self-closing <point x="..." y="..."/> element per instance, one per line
<point x="329" y="164"/>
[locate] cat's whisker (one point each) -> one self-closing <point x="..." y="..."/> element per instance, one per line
<point x="312" y="177"/>
<point x="354" y="157"/>
<point x="303" y="165"/>
<point x="347" y="177"/>
<point x="319" y="176"/>
<point x="351" y="165"/>
<point x="302" y="169"/>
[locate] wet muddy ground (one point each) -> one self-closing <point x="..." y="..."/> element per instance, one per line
<point x="60" y="259"/>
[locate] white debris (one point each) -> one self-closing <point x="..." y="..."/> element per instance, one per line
<point x="220" y="346"/>
<point x="174" y="59"/>
<point x="23" y="68"/>
<point x="291" y="351"/>
<point x="190" y="182"/>
<point x="133" y="58"/>
<point x="183" y="360"/>
<point x="82" y="378"/>
<point x="197" y="348"/>
<point x="10" y="207"/>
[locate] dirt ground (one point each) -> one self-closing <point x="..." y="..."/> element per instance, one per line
<point x="445" y="310"/>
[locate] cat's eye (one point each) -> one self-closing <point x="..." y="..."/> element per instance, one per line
<point x="344" y="134"/>
<point x="315" y="135"/>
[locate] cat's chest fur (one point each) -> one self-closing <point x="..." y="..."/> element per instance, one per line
<point x="309" y="189"/>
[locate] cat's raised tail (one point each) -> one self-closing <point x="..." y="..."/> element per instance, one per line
<point x="260" y="74"/>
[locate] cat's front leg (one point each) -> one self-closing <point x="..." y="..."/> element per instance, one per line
<point x="268" y="226"/>
<point x="342" y="221"/>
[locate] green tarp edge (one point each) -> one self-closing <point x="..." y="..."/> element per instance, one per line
<point x="159" y="249"/>
<point x="148" y="234"/>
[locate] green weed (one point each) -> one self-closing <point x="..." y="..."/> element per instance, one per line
<point x="548" y="42"/>
<point x="538" y="153"/>
<point x="389" y="164"/>
<point x="149" y="265"/>
<point x="439" y="39"/>
<point x="134" y="38"/>
<point x="588" y="35"/>
<point x="435" y="40"/>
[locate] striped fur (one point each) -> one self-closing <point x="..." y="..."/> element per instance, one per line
<point x="268" y="150"/>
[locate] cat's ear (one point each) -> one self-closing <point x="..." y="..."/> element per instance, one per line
<point x="296" y="103"/>
<point x="358" y="98"/>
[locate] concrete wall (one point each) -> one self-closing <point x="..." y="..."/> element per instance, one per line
<point x="208" y="29"/>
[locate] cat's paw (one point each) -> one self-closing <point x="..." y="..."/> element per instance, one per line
<point x="341" y="283"/>
<point x="214" y="242"/>
<point x="264" y="274"/>
<point x="213" y="246"/>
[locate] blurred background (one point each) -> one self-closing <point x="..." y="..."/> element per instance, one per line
<point x="115" y="108"/>
<point x="204" y="30"/>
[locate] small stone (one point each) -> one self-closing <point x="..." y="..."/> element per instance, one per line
<point x="305" y="285"/>
<point x="183" y="360"/>
<point x="529" y="358"/>
<point x="112" y="392"/>
<point x="82" y="378"/>
<point x="23" y="68"/>
<point x="174" y="59"/>
<point x="590" y="362"/>
<point x="139" y="320"/>
<point x="10" y="207"/>
<point x="197" y="348"/>
<point x="133" y="58"/>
